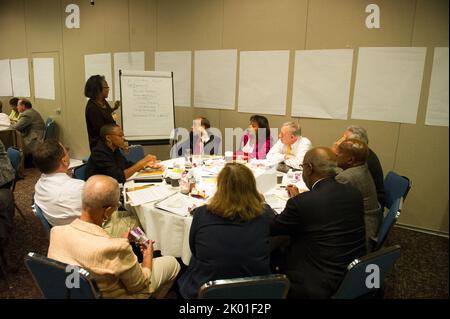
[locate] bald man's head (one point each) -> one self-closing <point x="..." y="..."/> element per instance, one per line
<point x="100" y="191"/>
<point x="351" y="153"/>
<point x="319" y="162"/>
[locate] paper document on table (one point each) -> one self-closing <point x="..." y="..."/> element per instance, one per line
<point x="275" y="202"/>
<point x="180" y="204"/>
<point x="149" y="194"/>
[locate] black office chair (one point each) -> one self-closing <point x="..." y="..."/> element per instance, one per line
<point x="15" y="157"/>
<point x="396" y="186"/>
<point x="365" y="276"/>
<point x="275" y="286"/>
<point x="40" y="215"/>
<point x="388" y="222"/>
<point x="50" y="129"/>
<point x="57" y="280"/>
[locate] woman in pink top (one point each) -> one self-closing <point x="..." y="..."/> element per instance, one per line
<point x="257" y="141"/>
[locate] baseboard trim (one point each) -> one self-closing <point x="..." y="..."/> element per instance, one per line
<point x="422" y="230"/>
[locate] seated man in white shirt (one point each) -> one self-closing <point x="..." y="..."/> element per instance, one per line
<point x="56" y="193"/>
<point x="59" y="195"/>
<point x="291" y="146"/>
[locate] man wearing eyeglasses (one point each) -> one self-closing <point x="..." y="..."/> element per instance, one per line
<point x="117" y="271"/>
<point x="325" y="225"/>
<point x="106" y="158"/>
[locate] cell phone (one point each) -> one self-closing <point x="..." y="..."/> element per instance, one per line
<point x="139" y="236"/>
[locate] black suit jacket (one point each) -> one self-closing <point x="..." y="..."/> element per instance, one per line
<point x="106" y="162"/>
<point x="327" y="232"/>
<point x="223" y="249"/>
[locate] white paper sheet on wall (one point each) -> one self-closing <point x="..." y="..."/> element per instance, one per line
<point x="437" y="110"/>
<point x="99" y="64"/>
<point x="263" y="78"/>
<point x="178" y="62"/>
<point x="388" y="84"/>
<point x="5" y="79"/>
<point x="20" y="77"/>
<point x="131" y="61"/>
<point x="44" y="78"/>
<point x="215" y="79"/>
<point x="322" y="83"/>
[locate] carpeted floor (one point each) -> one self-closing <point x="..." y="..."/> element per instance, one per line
<point x="420" y="272"/>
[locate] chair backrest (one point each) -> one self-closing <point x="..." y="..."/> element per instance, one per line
<point x="366" y="275"/>
<point x="80" y="172"/>
<point x="57" y="280"/>
<point x="40" y="215"/>
<point x="395" y="186"/>
<point x="50" y="129"/>
<point x="391" y="218"/>
<point x="14" y="157"/>
<point x="273" y="286"/>
<point x="135" y="153"/>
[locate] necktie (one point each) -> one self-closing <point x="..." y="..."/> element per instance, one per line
<point x="197" y="147"/>
<point x="288" y="150"/>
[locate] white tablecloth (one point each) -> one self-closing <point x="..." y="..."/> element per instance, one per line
<point x="171" y="231"/>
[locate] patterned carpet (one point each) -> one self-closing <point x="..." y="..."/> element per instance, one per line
<point x="420" y="272"/>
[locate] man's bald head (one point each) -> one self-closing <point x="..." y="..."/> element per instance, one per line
<point x="352" y="152"/>
<point x="318" y="163"/>
<point x="322" y="159"/>
<point x="100" y="191"/>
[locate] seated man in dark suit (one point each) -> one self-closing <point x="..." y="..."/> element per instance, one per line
<point x="373" y="163"/>
<point x="30" y="125"/>
<point x="106" y="158"/>
<point x="201" y="139"/>
<point x="325" y="225"/>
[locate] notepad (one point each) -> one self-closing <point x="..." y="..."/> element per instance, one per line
<point x="180" y="204"/>
<point x="149" y="175"/>
<point x="149" y="194"/>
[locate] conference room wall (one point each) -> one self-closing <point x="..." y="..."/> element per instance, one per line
<point x="414" y="150"/>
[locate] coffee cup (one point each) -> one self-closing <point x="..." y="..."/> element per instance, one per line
<point x="175" y="182"/>
<point x="279" y="178"/>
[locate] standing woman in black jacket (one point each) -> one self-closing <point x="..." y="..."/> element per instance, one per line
<point x="98" y="111"/>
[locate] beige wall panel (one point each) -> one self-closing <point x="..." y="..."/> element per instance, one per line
<point x="264" y="24"/>
<point x="423" y="157"/>
<point x="184" y="116"/>
<point x="143" y="29"/>
<point x="422" y="152"/>
<point x="44" y="25"/>
<point x="12" y="29"/>
<point x="340" y="24"/>
<point x="189" y="25"/>
<point x="213" y="115"/>
<point x="431" y="23"/>
<point x="89" y="39"/>
<point x="115" y="23"/>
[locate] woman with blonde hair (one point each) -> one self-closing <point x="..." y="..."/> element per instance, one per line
<point x="229" y="237"/>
